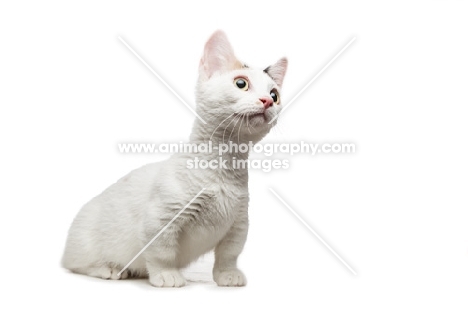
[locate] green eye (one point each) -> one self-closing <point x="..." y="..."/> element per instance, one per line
<point x="242" y="84"/>
<point x="274" y="95"/>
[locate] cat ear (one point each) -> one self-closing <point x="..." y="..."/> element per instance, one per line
<point x="218" y="56"/>
<point x="277" y="71"/>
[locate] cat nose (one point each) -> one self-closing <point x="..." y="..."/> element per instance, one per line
<point x="267" y="101"/>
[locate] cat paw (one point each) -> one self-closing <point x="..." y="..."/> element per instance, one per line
<point x="115" y="274"/>
<point x="104" y="272"/>
<point x="168" y="278"/>
<point x="233" y="277"/>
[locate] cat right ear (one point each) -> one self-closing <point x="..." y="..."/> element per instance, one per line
<point x="277" y="71"/>
<point x="218" y="56"/>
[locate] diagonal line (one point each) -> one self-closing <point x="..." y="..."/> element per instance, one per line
<point x="161" y="79"/>
<point x="313" y="232"/>
<point x="313" y="79"/>
<point x="160" y="232"/>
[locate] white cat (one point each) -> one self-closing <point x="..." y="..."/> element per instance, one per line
<point x="237" y="102"/>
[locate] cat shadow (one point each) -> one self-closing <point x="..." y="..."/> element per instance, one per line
<point x="194" y="278"/>
<point x="198" y="273"/>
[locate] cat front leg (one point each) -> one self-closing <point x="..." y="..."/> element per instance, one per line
<point x="161" y="259"/>
<point x="225" y="271"/>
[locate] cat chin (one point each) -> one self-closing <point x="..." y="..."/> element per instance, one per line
<point x="261" y="120"/>
<point x="258" y="119"/>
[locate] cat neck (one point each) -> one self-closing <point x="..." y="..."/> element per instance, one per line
<point x="231" y="158"/>
<point x="234" y="141"/>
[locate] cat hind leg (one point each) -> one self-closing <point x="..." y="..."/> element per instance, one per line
<point x="105" y="271"/>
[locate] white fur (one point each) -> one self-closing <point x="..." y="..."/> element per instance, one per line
<point x="114" y="226"/>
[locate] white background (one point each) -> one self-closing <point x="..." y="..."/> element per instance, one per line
<point x="396" y="210"/>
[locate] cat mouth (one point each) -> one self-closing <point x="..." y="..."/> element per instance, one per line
<point x="256" y="115"/>
<point x="256" y="118"/>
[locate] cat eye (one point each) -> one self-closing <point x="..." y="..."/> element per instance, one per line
<point x="275" y="96"/>
<point x="242" y="83"/>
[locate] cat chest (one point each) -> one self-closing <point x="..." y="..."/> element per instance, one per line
<point x="210" y="224"/>
<point x="220" y="209"/>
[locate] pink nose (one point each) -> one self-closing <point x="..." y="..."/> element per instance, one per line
<point x="267" y="101"/>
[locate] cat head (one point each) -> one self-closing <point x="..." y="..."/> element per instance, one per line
<point x="236" y="101"/>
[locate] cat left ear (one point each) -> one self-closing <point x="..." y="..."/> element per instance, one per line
<point x="277" y="71"/>
<point x="218" y="56"/>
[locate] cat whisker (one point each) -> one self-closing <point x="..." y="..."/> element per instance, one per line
<point x="239" y="117"/>
<point x="240" y="126"/>
<point x="224" y="132"/>
<point x="220" y="125"/>
<point x="248" y="125"/>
